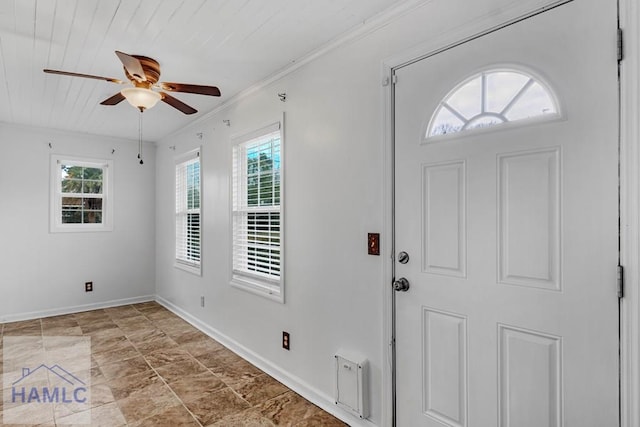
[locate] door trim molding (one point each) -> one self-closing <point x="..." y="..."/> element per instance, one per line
<point x="629" y="192"/>
<point x="630" y="214"/>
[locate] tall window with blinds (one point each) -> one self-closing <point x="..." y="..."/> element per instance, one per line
<point x="188" y="212"/>
<point x="257" y="212"/>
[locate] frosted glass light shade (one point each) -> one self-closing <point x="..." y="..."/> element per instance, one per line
<point x="141" y="98"/>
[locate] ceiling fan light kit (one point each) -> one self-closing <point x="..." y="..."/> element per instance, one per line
<point x="141" y="98"/>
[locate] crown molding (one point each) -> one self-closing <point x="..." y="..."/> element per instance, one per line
<point x="367" y="27"/>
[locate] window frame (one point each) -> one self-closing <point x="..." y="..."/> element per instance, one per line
<point x="256" y="283"/>
<point x="55" y="185"/>
<point x="550" y="90"/>
<point x="180" y="263"/>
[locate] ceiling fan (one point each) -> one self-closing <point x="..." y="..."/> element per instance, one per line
<point x="143" y="73"/>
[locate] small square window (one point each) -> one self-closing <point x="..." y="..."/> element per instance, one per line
<point x="81" y="194"/>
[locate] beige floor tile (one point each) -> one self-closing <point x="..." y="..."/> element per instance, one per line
<point x="217" y="406"/>
<point x="171" y="417"/>
<point x="59" y="321"/>
<point x="28" y="414"/>
<point x="94" y="373"/>
<point x="189" y="336"/>
<point x="21" y="325"/>
<point x="62" y="331"/>
<point x="159" y="315"/>
<point x="136" y="328"/>
<point x="150" y="308"/>
<point x="176" y="371"/>
<point x="145" y="334"/>
<point x="146" y="305"/>
<point x="109" y="357"/>
<point x="174" y="326"/>
<point x="125" y="368"/>
<point x="98" y="325"/>
<point x="149" y="402"/>
<point x="122" y="312"/>
<point x="320" y="418"/>
<point x="194" y="387"/>
<point x="101" y="394"/>
<point x="134" y="320"/>
<point x="33" y="330"/>
<point x="248" y="418"/>
<point x="101" y="344"/>
<point x="165" y="356"/>
<point x="107" y="333"/>
<point x="133" y="385"/>
<point x="15" y="347"/>
<point x="287" y="409"/>
<point x="156" y="343"/>
<point x="108" y="415"/>
<point x="259" y="389"/>
<point x="236" y="372"/>
<point x="220" y="357"/>
<point x="87" y="317"/>
<point x="201" y="347"/>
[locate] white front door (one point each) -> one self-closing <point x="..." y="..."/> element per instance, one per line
<point x="511" y="318"/>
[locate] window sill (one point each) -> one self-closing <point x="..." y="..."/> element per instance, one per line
<point x="80" y="228"/>
<point x="193" y="269"/>
<point x="258" y="287"/>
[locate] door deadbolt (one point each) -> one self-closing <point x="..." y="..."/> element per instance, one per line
<point x="401" y="285"/>
<point x="403" y="257"/>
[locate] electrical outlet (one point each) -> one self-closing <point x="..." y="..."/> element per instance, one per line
<point x="202" y="301"/>
<point x="88" y="286"/>
<point x="286" y="341"/>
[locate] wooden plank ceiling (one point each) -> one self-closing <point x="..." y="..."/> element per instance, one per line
<point x="231" y="44"/>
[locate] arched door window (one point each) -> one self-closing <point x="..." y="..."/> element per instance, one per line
<point x="491" y="98"/>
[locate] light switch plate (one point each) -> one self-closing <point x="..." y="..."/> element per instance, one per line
<point x="373" y="243"/>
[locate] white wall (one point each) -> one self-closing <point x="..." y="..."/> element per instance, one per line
<point x="333" y="197"/>
<point x="335" y="179"/>
<point x="334" y="164"/>
<point x="43" y="273"/>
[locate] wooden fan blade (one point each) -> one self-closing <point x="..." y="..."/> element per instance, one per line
<point x="115" y="99"/>
<point x="86" y="76"/>
<point x="176" y="103"/>
<point x="133" y="66"/>
<point x="187" y="88"/>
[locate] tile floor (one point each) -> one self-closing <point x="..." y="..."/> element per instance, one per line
<point x="151" y="368"/>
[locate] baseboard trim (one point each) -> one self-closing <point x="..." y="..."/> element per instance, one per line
<point x="74" y="309"/>
<point x="296" y="384"/>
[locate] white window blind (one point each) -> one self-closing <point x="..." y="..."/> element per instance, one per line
<point x="257" y="210"/>
<point x="188" y="212"/>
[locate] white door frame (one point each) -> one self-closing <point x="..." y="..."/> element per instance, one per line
<point x="630" y="212"/>
<point x="629" y="191"/>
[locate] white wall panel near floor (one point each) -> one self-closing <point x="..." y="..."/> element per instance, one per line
<point x="43" y="273"/>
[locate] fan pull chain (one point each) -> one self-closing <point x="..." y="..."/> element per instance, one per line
<point x="140" y="138"/>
